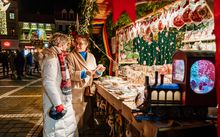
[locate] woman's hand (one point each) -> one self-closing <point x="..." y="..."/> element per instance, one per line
<point x="100" y="68"/>
<point x="90" y="72"/>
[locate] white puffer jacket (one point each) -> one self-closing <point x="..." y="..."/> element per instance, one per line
<point x="52" y="96"/>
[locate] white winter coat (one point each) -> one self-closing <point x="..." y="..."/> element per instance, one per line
<point x="52" y="96"/>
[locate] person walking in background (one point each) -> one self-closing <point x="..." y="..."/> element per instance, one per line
<point x="36" y="61"/>
<point x="19" y="64"/>
<point x="5" y="64"/>
<point x="11" y="60"/>
<point x="59" y="116"/>
<point x="29" y="63"/>
<point x="83" y="68"/>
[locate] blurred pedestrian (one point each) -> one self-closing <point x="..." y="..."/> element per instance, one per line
<point x="11" y="60"/>
<point x="5" y="64"/>
<point x="36" y="61"/>
<point x="29" y="63"/>
<point x="19" y="64"/>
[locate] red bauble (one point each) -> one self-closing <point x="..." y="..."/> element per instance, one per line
<point x="160" y="25"/>
<point x="178" y="21"/>
<point x="195" y="15"/>
<point x="186" y="16"/>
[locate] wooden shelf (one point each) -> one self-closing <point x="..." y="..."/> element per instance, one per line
<point x="128" y="62"/>
<point x="196" y="40"/>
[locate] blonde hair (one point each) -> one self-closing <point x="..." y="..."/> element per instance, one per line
<point x="57" y="39"/>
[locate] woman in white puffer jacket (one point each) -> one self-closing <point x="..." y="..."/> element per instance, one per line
<point x="55" y="97"/>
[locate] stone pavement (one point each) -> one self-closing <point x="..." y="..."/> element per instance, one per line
<point x="21" y="107"/>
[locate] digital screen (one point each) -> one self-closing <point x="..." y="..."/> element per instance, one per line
<point x="202" y="76"/>
<point x="178" y="70"/>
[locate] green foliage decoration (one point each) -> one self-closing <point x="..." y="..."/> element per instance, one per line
<point x="89" y="10"/>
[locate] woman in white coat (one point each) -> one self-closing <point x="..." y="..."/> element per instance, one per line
<point x="59" y="116"/>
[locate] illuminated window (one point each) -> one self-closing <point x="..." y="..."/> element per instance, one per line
<point x="41" y="26"/>
<point x="34" y="26"/>
<point x="48" y="27"/>
<point x="25" y="25"/>
<point x="11" y="15"/>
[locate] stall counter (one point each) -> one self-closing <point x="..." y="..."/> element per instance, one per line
<point x="144" y="127"/>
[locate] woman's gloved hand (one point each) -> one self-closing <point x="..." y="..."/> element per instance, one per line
<point x="57" y="112"/>
<point x="59" y="108"/>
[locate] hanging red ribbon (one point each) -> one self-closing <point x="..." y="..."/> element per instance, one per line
<point x="217" y="55"/>
<point x="106" y="44"/>
<point x="120" y="6"/>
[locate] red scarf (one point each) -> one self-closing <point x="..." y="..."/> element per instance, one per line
<point x="66" y="82"/>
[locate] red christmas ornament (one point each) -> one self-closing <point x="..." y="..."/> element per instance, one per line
<point x="160" y="25"/>
<point x="178" y="21"/>
<point x="185" y="16"/>
<point x="195" y="15"/>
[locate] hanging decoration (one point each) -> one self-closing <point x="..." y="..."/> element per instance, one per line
<point x="89" y="11"/>
<point x="153" y="37"/>
<point x="120" y="6"/>
<point x="156" y="52"/>
<point x="141" y="11"/>
<point x="4" y="5"/>
<point x="3" y="21"/>
<point x="107" y="51"/>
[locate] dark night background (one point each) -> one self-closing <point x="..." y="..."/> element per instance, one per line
<point x="45" y="6"/>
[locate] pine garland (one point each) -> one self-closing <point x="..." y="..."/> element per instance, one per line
<point x="88" y="13"/>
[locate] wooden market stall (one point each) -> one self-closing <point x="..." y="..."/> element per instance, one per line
<point x="132" y="127"/>
<point x="151" y="42"/>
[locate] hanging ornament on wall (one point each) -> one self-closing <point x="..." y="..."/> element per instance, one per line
<point x="204" y="12"/>
<point x="160" y="25"/>
<point x="178" y="22"/>
<point x="195" y="16"/>
<point x="155" y="37"/>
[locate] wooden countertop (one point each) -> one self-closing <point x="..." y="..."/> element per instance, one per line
<point x="145" y="128"/>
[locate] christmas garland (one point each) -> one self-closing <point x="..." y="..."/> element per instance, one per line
<point x="141" y="11"/>
<point x="89" y="11"/>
